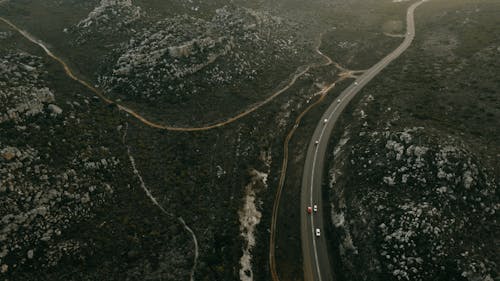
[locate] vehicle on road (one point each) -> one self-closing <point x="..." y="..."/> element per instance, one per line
<point x="316" y="256"/>
<point x="324" y="121"/>
<point x="316" y="142"/>
<point x="315" y="208"/>
<point x="309" y="210"/>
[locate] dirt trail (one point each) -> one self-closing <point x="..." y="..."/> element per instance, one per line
<point x="155" y="202"/>
<point x="344" y="74"/>
<point x="69" y="72"/>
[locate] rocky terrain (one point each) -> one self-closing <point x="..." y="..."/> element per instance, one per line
<point x="45" y="189"/>
<point x="122" y="11"/>
<point x="182" y="56"/>
<point x="414" y="177"/>
<point x="114" y="204"/>
<point x="68" y="188"/>
<point x="428" y="209"/>
<point x="167" y="61"/>
<point x="89" y="193"/>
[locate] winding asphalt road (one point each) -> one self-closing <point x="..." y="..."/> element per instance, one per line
<point x="314" y="249"/>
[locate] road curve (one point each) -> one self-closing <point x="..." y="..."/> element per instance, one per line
<point x="314" y="249"/>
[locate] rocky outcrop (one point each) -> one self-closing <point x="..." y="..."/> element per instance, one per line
<point x="46" y="183"/>
<point x="109" y="9"/>
<point x="22" y="95"/>
<point x="418" y="204"/>
<point x="184" y="55"/>
<point x="108" y="18"/>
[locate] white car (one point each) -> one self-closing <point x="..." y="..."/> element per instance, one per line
<point x="318" y="232"/>
<point x="338" y="100"/>
<point x="324" y="121"/>
<point x="316" y="142"/>
<point x="355" y="82"/>
<point x="315" y="208"/>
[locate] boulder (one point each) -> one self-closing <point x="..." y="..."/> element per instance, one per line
<point x="54" y="109"/>
<point x="9" y="153"/>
